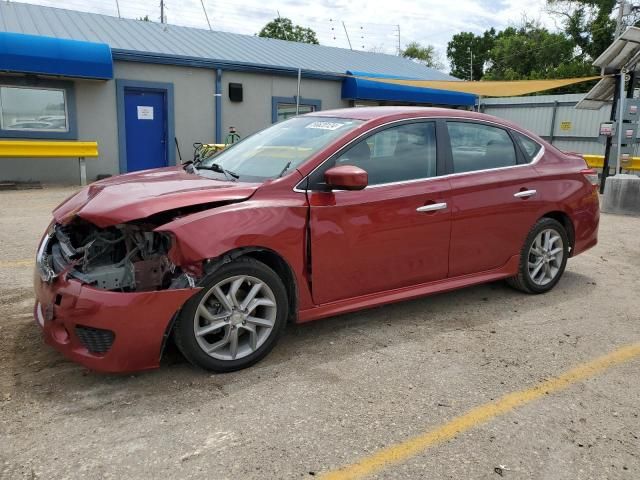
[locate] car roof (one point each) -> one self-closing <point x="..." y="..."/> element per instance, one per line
<point x="381" y="113"/>
<point x="390" y="113"/>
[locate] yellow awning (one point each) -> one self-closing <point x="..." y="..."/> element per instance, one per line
<point x="489" y="88"/>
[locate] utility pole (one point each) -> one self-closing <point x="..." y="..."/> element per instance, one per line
<point x="399" y="45"/>
<point x="470" y="64"/>
<point x="161" y="11"/>
<point x="347" y="34"/>
<point x="619" y="19"/>
<point x="118" y="7"/>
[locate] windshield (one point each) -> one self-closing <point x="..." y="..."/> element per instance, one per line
<point x="280" y="148"/>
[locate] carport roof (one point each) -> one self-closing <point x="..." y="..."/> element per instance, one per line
<point x="172" y="44"/>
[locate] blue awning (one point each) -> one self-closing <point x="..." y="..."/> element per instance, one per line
<point x="354" y="88"/>
<point x="54" y="56"/>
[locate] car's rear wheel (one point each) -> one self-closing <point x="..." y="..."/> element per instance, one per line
<point x="236" y="319"/>
<point x="543" y="257"/>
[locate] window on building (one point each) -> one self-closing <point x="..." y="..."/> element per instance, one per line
<point x="476" y="146"/>
<point x="33" y="109"/>
<point x="529" y="147"/>
<point x="288" y="110"/>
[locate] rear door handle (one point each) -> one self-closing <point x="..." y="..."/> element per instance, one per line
<point x="432" y="207"/>
<point x="525" y="194"/>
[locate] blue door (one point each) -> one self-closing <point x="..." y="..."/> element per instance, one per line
<point x="146" y="129"/>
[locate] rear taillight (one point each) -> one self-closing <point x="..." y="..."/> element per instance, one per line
<point x="591" y="175"/>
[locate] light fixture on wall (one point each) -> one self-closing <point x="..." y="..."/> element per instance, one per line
<point x="235" y="92"/>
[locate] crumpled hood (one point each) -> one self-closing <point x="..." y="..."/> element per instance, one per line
<point x="138" y="195"/>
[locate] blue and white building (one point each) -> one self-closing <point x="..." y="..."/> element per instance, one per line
<point x="147" y="91"/>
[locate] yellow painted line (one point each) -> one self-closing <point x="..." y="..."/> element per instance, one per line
<point x="405" y="450"/>
<point x="47" y="148"/>
<point x="16" y="263"/>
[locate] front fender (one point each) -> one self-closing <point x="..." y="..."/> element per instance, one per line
<point x="277" y="225"/>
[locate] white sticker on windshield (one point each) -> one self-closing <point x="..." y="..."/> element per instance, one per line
<point x="325" y="125"/>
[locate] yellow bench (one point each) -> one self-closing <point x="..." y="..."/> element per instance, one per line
<point x="51" y="149"/>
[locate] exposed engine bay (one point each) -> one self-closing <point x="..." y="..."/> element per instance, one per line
<point x="124" y="258"/>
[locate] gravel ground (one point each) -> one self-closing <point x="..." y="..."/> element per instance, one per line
<point x="337" y="390"/>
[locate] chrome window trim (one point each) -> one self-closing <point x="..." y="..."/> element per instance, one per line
<point x="535" y="159"/>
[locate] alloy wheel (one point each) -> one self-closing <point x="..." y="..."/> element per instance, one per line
<point x="545" y="257"/>
<point x="235" y="317"/>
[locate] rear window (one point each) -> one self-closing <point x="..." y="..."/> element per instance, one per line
<point x="477" y="146"/>
<point x="530" y="148"/>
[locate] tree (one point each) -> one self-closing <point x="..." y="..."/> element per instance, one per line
<point x="532" y="52"/>
<point x="587" y="22"/>
<point x="426" y="55"/>
<point x="525" y="52"/>
<point x="284" y="29"/>
<point x="144" y="19"/>
<point x="460" y="48"/>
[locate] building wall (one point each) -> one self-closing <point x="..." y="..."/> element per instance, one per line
<point x="96" y="115"/>
<point x="573" y="130"/>
<point x="91" y="97"/>
<point x="194" y="104"/>
<point x="194" y="99"/>
<point x="254" y="112"/>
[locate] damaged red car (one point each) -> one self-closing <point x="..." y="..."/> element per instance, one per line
<point x="315" y="216"/>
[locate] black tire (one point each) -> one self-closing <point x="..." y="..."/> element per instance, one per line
<point x="184" y="334"/>
<point x="523" y="281"/>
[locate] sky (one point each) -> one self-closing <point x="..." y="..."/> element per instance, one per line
<point x="371" y="25"/>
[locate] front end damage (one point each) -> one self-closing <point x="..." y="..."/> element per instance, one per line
<point x="105" y="297"/>
<point x="121" y="258"/>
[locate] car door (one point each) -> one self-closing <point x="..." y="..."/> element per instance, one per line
<point x="394" y="233"/>
<point x="493" y="195"/>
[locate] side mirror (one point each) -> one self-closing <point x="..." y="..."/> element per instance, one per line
<point x="346" y="177"/>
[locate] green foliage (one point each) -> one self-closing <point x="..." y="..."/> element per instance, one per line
<point x="144" y="19"/>
<point x="587" y="22"/>
<point x="425" y="55"/>
<point x="284" y="29"/>
<point x="527" y="52"/>
<point x="460" y="47"/>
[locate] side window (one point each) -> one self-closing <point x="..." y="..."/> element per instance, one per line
<point x="475" y="146"/>
<point x="404" y="152"/>
<point x="529" y="147"/>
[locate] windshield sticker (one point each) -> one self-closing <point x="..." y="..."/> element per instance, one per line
<point x="325" y="125"/>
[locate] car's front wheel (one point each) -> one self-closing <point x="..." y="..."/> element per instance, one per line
<point x="543" y="257"/>
<point x="236" y="319"/>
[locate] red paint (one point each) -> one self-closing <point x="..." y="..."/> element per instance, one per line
<point x="346" y="177"/>
<point x="368" y="247"/>
<point x="375" y="240"/>
<point x="139" y="321"/>
<point x="139" y="195"/>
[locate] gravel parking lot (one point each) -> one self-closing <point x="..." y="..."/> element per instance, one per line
<point x="337" y="391"/>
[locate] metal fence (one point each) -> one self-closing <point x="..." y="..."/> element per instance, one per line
<point x="554" y="118"/>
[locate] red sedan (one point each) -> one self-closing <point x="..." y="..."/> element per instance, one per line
<point x="319" y="215"/>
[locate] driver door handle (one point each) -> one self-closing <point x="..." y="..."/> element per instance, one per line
<point x="432" y="207"/>
<point x="525" y="194"/>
